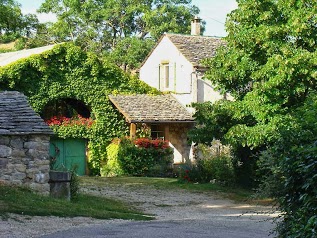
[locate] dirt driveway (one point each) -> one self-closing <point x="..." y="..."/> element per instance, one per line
<point x="201" y="211"/>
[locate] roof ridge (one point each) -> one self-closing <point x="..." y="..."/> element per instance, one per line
<point x="188" y="35"/>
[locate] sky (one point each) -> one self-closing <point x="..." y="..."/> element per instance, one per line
<point x="214" y="12"/>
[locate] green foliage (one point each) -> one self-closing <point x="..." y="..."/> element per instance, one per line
<point x="13" y="24"/>
<point x="294" y="179"/>
<point x="130" y="52"/>
<point x="269" y="65"/>
<point x="270" y="69"/>
<point x="11" y="16"/>
<point x="67" y="72"/>
<point x="213" y="164"/>
<point x="8" y="37"/>
<point x="213" y="121"/>
<point x="119" y="27"/>
<point x="144" y="160"/>
<point x="111" y="167"/>
<point x="74" y="185"/>
<point x="289" y="168"/>
<point x="216" y="121"/>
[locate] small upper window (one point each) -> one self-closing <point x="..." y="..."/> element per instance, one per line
<point x="165" y="77"/>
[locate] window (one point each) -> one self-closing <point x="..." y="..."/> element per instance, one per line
<point x="165" y="76"/>
<point x="157" y="131"/>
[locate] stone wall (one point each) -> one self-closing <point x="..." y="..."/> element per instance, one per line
<point x="24" y="160"/>
<point x="179" y="140"/>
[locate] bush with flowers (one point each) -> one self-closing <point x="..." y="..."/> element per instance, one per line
<point x="76" y="126"/>
<point x="140" y="157"/>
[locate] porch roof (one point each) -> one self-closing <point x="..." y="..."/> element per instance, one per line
<point x="151" y="109"/>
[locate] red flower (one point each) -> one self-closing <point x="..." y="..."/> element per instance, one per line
<point x="148" y="143"/>
<point x="65" y="121"/>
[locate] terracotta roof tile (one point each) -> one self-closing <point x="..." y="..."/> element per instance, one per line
<point x="148" y="108"/>
<point x="17" y="117"/>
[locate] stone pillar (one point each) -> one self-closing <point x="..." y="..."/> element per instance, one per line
<point x="60" y="184"/>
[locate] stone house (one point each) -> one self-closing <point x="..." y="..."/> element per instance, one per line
<point x="174" y="65"/>
<point x="24" y="144"/>
<point x="166" y="117"/>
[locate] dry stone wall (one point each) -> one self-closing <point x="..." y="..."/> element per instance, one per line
<point x="24" y="160"/>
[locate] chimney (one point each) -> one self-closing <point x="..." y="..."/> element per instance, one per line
<point x="195" y="26"/>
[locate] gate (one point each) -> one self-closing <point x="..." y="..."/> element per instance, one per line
<point x="69" y="154"/>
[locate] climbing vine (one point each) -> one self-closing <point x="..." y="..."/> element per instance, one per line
<point x="67" y="72"/>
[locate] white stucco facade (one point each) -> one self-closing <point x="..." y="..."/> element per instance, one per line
<point x="185" y="83"/>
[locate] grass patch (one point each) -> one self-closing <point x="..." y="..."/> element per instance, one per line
<point x="235" y="194"/>
<point x="23" y="201"/>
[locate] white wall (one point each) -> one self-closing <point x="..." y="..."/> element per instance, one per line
<point x="206" y="91"/>
<point x="185" y="85"/>
<point x="180" y="68"/>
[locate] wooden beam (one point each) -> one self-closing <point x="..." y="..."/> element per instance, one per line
<point x="167" y="132"/>
<point x="132" y="130"/>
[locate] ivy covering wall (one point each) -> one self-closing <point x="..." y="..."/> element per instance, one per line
<point x="68" y="72"/>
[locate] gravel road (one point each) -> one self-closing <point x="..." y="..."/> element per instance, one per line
<point x="178" y="213"/>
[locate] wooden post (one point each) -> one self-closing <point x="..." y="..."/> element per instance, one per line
<point x="132" y="130"/>
<point x="166" y="132"/>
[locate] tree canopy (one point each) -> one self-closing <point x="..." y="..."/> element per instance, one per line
<point x="104" y="26"/>
<point x="269" y="65"/>
<point x="13" y="23"/>
<point x="106" y="22"/>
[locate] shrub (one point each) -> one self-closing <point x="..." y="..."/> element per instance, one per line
<point x="140" y="157"/>
<point x="288" y="170"/>
<point x="112" y="167"/>
<point x="210" y="166"/>
<point x="291" y="179"/>
<point x="74" y="185"/>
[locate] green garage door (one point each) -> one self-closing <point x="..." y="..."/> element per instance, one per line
<point x="69" y="154"/>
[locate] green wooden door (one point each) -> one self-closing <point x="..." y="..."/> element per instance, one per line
<point x="69" y="154"/>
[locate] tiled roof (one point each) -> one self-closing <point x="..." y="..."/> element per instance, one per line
<point x="148" y="108"/>
<point x="18" y="118"/>
<point x="10" y="57"/>
<point x="196" y="48"/>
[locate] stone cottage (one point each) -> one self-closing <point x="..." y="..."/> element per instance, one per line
<point x="166" y="117"/>
<point x="175" y="65"/>
<point x="24" y="144"/>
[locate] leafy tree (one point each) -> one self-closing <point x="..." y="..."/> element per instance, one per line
<point x="269" y="64"/>
<point x="13" y="24"/>
<point x="130" y="52"/>
<point x="11" y="16"/>
<point x="103" y="25"/>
